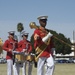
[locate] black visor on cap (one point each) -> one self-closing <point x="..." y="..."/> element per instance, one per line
<point x="11" y="33"/>
<point x="43" y="20"/>
<point x="25" y="35"/>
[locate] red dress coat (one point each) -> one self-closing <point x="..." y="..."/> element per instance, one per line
<point x="24" y="44"/>
<point x="43" y="33"/>
<point x="9" y="44"/>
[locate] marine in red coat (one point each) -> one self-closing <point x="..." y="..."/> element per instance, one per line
<point x="24" y="45"/>
<point x="40" y="36"/>
<point x="9" y="45"/>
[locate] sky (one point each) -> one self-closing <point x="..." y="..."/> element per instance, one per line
<point x="61" y="15"/>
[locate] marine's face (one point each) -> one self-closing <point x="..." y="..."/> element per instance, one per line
<point x="25" y="37"/>
<point x="11" y="36"/>
<point x="43" y="23"/>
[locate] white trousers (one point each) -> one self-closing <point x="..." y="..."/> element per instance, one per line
<point x="30" y="64"/>
<point x="17" y="66"/>
<point x="16" y="69"/>
<point x="9" y="66"/>
<point x="49" y="66"/>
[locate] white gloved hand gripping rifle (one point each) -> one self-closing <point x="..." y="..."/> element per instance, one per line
<point x="45" y="39"/>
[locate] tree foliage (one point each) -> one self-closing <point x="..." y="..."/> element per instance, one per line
<point x="20" y="27"/>
<point x="59" y="45"/>
<point x="32" y="42"/>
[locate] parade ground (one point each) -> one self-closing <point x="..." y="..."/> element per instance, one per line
<point x="60" y="69"/>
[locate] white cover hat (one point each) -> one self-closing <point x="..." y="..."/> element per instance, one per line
<point x="42" y="17"/>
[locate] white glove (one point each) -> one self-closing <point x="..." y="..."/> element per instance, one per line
<point x="32" y="54"/>
<point x="26" y="53"/>
<point x="15" y="52"/>
<point x="49" y="34"/>
<point x="24" y="50"/>
<point x="47" y="37"/>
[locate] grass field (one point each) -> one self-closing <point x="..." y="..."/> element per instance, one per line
<point x="60" y="69"/>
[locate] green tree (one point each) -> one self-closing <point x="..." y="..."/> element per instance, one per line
<point x="60" y="41"/>
<point x="20" y="28"/>
<point x="32" y="42"/>
<point x="62" y="44"/>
